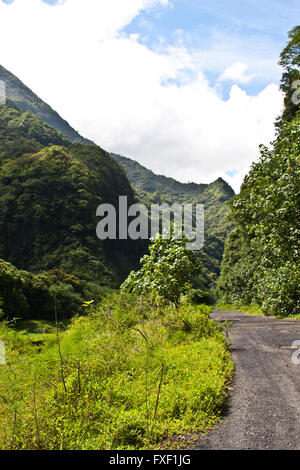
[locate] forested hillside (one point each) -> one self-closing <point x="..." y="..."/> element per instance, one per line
<point x="152" y="188"/>
<point x="51" y="186"/>
<point x="49" y="192"/>
<point x="262" y="256"/>
<point x="24" y="132"/>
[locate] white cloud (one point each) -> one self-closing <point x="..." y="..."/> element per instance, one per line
<point x="118" y="92"/>
<point x="236" y="73"/>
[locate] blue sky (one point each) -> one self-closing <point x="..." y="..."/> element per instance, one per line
<point x="160" y="81"/>
<point x="257" y="26"/>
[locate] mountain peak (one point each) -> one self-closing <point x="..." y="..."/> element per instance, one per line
<point x="142" y="178"/>
<point x="26" y="100"/>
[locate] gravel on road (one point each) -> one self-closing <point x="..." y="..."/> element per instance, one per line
<point x="263" y="409"/>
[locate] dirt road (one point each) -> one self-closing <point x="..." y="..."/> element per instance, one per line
<point x="264" y="405"/>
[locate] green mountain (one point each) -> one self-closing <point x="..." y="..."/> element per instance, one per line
<point x="158" y="186"/>
<point x="26" y="100"/>
<point x="51" y="182"/>
<point x="49" y="193"/>
<point x="24" y="132"/>
<point x="161" y="189"/>
<point x="48" y="202"/>
<point x="152" y="188"/>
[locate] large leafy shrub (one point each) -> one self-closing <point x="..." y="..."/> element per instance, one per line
<point x="166" y="273"/>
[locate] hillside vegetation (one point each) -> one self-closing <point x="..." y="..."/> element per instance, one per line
<point x="262" y="256"/>
<point x="26" y="100"/>
<point x="48" y="203"/>
<point x="50" y="188"/>
<point x="34" y="296"/>
<point x="22" y="133"/>
<point x="49" y="193"/>
<point x="158" y="189"/>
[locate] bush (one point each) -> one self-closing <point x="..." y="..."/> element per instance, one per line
<point x="166" y="273"/>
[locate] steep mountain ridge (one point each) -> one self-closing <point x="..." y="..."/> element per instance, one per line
<point x="49" y="193"/>
<point x="151" y="188"/>
<point x="28" y="125"/>
<point x="145" y="180"/>
<point x="27" y="100"/>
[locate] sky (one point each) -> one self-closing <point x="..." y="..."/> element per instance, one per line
<point x="188" y="88"/>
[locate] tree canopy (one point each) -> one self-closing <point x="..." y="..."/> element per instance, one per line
<point x="290" y="82"/>
<point x="262" y="256"/>
<point x="166" y="273"/>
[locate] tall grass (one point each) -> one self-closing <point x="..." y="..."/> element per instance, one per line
<point x="125" y="376"/>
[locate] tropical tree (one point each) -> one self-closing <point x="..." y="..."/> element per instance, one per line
<point x="166" y="272"/>
<point x="290" y="82"/>
<point x="262" y="257"/>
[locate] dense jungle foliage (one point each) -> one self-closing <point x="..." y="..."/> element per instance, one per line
<point x="27" y="296"/>
<point x="48" y="203"/>
<point x="49" y="193"/>
<point x="290" y="61"/>
<point x="22" y="133"/>
<point x="262" y="255"/>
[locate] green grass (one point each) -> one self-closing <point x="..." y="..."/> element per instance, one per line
<point x="38" y="326"/>
<point x="292" y="317"/>
<point x="249" y="309"/>
<point x="133" y="376"/>
<point x="253" y="310"/>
